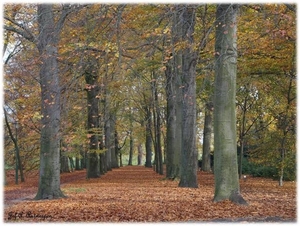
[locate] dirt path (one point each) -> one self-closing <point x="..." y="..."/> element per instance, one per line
<point x="137" y="194"/>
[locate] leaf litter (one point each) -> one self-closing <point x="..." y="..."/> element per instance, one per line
<point x="138" y="194"/>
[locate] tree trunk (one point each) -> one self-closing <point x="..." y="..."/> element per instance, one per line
<point x="242" y="137"/>
<point x="207" y="132"/>
<point x="157" y="131"/>
<point x="173" y="141"/>
<point x="83" y="160"/>
<point x="120" y="157"/>
<point x="174" y="101"/>
<point x="114" y="158"/>
<point x="148" y="143"/>
<point x="108" y="137"/>
<point x="189" y="154"/>
<point x="158" y="134"/>
<point x="117" y="150"/>
<point x="49" y="175"/>
<point x="109" y="140"/>
<point x="77" y="164"/>
<point x="225" y="153"/>
<point x="91" y="75"/>
<point x="64" y="164"/>
<point x="15" y="141"/>
<point x="130" y="149"/>
<point x="284" y="127"/>
<point x="102" y="166"/>
<point x="240" y="164"/>
<point x="140" y="154"/>
<point x="72" y="165"/>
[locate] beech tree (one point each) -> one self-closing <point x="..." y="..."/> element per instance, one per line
<point x="189" y="154"/>
<point x="207" y="134"/>
<point x="174" y="100"/>
<point x="47" y="41"/>
<point x="225" y="153"/>
<point x="131" y="61"/>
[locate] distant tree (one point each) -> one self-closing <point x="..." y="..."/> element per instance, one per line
<point x="207" y="136"/>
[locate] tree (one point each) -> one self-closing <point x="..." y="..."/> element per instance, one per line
<point x="174" y="100"/>
<point x="47" y="41"/>
<point x="225" y="153"/>
<point x="19" y="165"/>
<point x="148" y="136"/>
<point x="266" y="67"/>
<point x="157" y="127"/>
<point x="189" y="154"/>
<point x="91" y="75"/>
<point x="207" y="134"/>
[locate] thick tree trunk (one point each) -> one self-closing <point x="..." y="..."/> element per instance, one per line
<point x="49" y="176"/>
<point x="91" y="75"/>
<point x="174" y="99"/>
<point x="225" y="153"/>
<point x="189" y="154"/>
<point x="173" y="141"/>
<point x="207" y="132"/>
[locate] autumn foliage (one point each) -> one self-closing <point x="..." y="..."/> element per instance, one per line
<point x="138" y="194"/>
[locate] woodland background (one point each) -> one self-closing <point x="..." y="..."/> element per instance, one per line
<point x="132" y="45"/>
<point x="113" y="60"/>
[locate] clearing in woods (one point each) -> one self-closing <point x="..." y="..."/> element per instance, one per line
<point x="138" y="194"/>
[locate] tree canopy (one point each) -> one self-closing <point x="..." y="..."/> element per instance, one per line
<point x="118" y="68"/>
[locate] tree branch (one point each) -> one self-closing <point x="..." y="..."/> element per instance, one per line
<point x="23" y="33"/>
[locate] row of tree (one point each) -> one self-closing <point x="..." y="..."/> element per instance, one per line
<point x="83" y="81"/>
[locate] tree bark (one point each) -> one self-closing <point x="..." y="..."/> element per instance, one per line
<point x="189" y="154"/>
<point x="174" y="100"/>
<point x="109" y="141"/>
<point x="140" y="154"/>
<point x="15" y="141"/>
<point x="114" y="149"/>
<point x="148" y="143"/>
<point x="207" y="132"/>
<point x="225" y="153"/>
<point x="173" y="140"/>
<point x="49" y="176"/>
<point x="158" y="132"/>
<point x="130" y="148"/>
<point x="64" y="164"/>
<point x="91" y="75"/>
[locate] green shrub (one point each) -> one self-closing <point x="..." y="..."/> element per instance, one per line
<point x="259" y="170"/>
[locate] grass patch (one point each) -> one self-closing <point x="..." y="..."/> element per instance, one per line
<point x="74" y="190"/>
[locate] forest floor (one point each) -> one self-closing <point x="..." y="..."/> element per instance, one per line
<point x="138" y="194"/>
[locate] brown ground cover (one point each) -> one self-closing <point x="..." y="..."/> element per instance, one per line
<point x="138" y="194"/>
